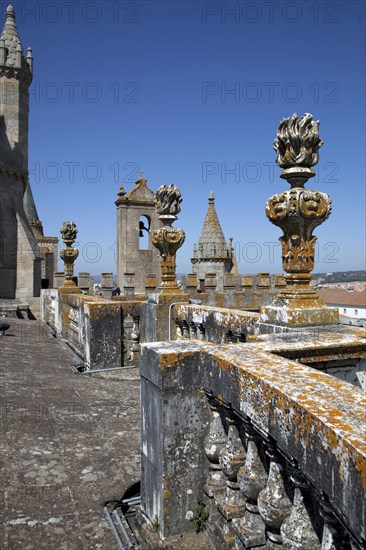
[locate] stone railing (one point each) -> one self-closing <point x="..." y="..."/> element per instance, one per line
<point x="339" y="353"/>
<point x="104" y="333"/>
<point x="216" y="325"/>
<point x="260" y="450"/>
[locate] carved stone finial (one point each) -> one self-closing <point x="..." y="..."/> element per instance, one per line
<point x="297" y="212"/>
<point x="69" y="254"/>
<point x="168" y="239"/>
<point x="297" y="144"/>
<point x="167" y="202"/>
<point x="68" y="232"/>
<point x="10" y="12"/>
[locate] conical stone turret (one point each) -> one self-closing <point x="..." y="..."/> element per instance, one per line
<point x="213" y="254"/>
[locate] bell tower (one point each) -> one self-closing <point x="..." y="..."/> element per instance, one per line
<point x="20" y="260"/>
<point x="137" y="218"/>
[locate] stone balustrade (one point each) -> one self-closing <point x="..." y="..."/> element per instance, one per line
<point x="338" y="352"/>
<point x="217" y="325"/>
<point x="273" y="450"/>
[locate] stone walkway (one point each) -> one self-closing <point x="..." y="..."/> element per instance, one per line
<point x="68" y="443"/>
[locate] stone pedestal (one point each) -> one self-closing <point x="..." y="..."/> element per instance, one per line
<point x="298" y="305"/>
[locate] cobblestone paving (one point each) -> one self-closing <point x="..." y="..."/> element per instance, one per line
<point x="68" y="443"/>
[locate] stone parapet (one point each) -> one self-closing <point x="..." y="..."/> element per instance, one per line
<point x="281" y="462"/>
<point x="104" y="333"/>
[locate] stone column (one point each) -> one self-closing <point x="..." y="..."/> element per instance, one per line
<point x="174" y="417"/>
<point x="129" y="286"/>
<point x="106" y="285"/>
<point x="298" y="212"/>
<point x="84" y="282"/>
<point x="59" y="278"/>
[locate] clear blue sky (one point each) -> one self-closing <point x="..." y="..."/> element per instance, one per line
<point x="122" y="85"/>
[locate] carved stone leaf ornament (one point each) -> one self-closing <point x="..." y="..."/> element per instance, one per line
<point x="167" y="200"/>
<point x="68" y="232"/>
<point x="298" y="142"/>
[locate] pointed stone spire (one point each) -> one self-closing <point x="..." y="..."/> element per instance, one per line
<point x="10" y="37"/>
<point x="11" y="50"/>
<point x="212" y="243"/>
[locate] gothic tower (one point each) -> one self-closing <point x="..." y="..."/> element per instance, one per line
<point x="136" y="221"/>
<point x="213" y="254"/>
<point x="20" y="260"/>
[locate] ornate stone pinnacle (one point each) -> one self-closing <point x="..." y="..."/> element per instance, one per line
<point x="168" y="239"/>
<point x="297" y="212"/>
<point x="69" y="254"/>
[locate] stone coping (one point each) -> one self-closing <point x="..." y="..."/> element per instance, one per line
<point x="227" y="319"/>
<point x="322" y="342"/>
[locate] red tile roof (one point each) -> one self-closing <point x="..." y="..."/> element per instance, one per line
<point x="339" y="296"/>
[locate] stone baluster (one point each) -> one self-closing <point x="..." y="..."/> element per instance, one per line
<point x="192" y="329"/>
<point x="297" y="530"/>
<point x="127" y="326"/>
<point x="201" y="331"/>
<point x="252" y="479"/>
<point x="179" y="325"/>
<point x="135" y="337"/>
<point x="230" y="338"/>
<point x="273" y="503"/>
<point x="214" y="443"/>
<point x="185" y="329"/>
<point x="231" y="504"/>
<point x="334" y="536"/>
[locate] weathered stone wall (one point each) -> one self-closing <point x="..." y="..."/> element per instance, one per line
<point x="104" y="333"/>
<point x="285" y="447"/>
<point x="237" y="291"/>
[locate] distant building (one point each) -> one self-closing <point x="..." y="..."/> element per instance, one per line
<point x="137" y="218"/>
<point x="351" y="304"/>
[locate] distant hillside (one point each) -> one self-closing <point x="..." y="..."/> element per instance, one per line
<point x="340" y="277"/>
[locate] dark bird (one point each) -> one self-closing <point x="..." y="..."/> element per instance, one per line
<point x="3" y="328"/>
